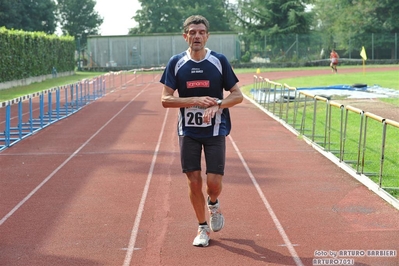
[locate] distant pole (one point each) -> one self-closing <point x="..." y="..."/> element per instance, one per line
<point x="372" y="46"/>
<point x="364" y="66"/>
<point x="396" y="46"/>
<point x="79" y="66"/>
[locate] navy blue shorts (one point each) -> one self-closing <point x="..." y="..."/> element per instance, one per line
<point x="214" y="151"/>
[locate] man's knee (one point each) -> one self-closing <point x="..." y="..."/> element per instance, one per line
<point x="214" y="181"/>
<point x="194" y="180"/>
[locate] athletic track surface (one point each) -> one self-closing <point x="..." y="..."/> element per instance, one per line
<point x="104" y="187"/>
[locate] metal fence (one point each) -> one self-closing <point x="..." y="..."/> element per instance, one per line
<point x="131" y="51"/>
<point x="23" y="116"/>
<point x="363" y="141"/>
<point x="315" y="46"/>
<point x="127" y="52"/>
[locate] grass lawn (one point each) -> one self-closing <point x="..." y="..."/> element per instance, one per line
<point x="386" y="79"/>
<point x="8" y="94"/>
<point x="361" y="155"/>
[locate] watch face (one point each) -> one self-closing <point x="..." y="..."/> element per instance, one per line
<point x="219" y="102"/>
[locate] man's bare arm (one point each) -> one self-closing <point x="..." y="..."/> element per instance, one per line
<point x="170" y="101"/>
<point x="235" y="97"/>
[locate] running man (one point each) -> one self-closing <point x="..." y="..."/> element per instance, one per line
<point x="334" y="60"/>
<point x="200" y="76"/>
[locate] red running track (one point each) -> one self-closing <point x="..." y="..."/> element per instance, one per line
<point x="104" y="187"/>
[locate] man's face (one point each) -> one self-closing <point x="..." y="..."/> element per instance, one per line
<point x="196" y="37"/>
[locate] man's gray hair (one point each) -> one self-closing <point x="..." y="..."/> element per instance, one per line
<point x="195" y="19"/>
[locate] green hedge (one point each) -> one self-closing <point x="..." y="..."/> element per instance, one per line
<point x="31" y="54"/>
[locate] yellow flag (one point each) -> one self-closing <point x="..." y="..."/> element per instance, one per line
<point x="363" y="53"/>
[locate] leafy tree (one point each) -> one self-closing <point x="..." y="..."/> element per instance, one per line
<point x="10" y="14"/>
<point x="272" y="19"/>
<point x="215" y="11"/>
<point x="34" y="15"/>
<point x="39" y="16"/>
<point x="79" y="19"/>
<point x="349" y="23"/>
<point x="156" y="16"/>
<point x="167" y="16"/>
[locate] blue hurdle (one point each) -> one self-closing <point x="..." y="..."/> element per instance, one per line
<point x="44" y="111"/>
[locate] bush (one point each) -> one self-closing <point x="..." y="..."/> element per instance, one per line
<point x="32" y="54"/>
<point x="246" y="57"/>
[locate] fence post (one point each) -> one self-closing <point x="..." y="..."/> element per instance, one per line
<point x="361" y="113"/>
<point x="376" y="118"/>
<point x="288" y="99"/>
<point x="7" y="126"/>
<point x="41" y="104"/>
<point x="341" y="107"/>
<point x="268" y="91"/>
<point x="30" y="115"/>
<point x="49" y="106"/>
<point x="303" y="122"/>
<point x="255" y="87"/>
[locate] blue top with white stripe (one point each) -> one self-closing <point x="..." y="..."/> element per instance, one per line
<point x="191" y="78"/>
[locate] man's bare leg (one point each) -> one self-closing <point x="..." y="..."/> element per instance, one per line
<point x="214" y="186"/>
<point x="196" y="195"/>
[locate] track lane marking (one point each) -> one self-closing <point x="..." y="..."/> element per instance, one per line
<point x="277" y="223"/>
<point x="133" y="236"/>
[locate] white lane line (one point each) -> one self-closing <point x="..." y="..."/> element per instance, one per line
<point x="133" y="236"/>
<point x="277" y="223"/>
<point x="22" y="202"/>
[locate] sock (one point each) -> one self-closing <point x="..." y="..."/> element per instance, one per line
<point x="204" y="223"/>
<point x="212" y="203"/>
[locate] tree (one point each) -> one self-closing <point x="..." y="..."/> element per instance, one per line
<point x="272" y="20"/>
<point x="167" y="16"/>
<point x="156" y="16"/>
<point x="215" y="11"/>
<point x="9" y="14"/>
<point x="350" y="23"/>
<point x="79" y="19"/>
<point x="34" y="15"/>
<point x="39" y="16"/>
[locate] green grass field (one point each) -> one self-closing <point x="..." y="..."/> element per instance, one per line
<point x="386" y="79"/>
<point x="361" y="147"/>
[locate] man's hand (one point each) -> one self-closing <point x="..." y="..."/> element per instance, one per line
<point x="205" y="101"/>
<point x="209" y="113"/>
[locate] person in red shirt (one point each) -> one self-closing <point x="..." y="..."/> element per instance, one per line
<point x="334" y="60"/>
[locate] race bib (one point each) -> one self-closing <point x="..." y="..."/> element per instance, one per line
<point x="193" y="117"/>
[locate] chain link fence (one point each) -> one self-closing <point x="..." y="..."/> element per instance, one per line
<point x="315" y="48"/>
<point x="130" y="52"/>
<point x="135" y="52"/>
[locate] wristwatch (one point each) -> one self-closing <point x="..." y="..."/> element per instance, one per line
<point x="219" y="102"/>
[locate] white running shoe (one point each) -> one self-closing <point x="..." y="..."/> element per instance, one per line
<point x="217" y="219"/>
<point x="202" y="239"/>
